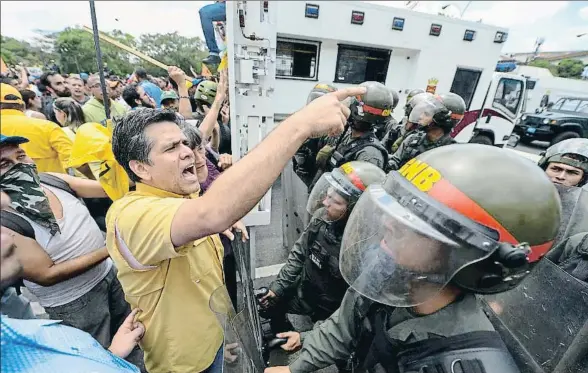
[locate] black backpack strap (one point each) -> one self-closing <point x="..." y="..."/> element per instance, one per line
<point x="56" y="182"/>
<point x="17" y="223"/>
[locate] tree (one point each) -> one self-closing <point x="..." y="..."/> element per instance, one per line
<point x="570" y="68"/>
<point x="77" y="52"/>
<point x="15" y="51"/>
<point x="544" y="64"/>
<point x="172" y="49"/>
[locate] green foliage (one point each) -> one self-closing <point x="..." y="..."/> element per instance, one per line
<point x="73" y="49"/>
<point x="172" y="49"/>
<point x="77" y="52"/>
<point x="14" y="51"/>
<point x="567" y="68"/>
<point x="570" y="68"/>
<point x="544" y="64"/>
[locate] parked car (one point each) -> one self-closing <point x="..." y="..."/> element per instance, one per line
<point x="566" y="119"/>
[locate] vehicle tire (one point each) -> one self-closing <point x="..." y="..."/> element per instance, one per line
<point x="526" y="140"/>
<point x="482" y="139"/>
<point x="564" y="136"/>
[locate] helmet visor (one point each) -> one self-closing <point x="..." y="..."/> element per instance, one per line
<point x="422" y="114"/>
<point x="392" y="256"/>
<point x="331" y="195"/>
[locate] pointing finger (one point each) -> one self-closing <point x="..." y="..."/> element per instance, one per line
<point x="342" y="94"/>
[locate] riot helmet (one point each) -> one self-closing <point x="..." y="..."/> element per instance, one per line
<point x="454" y="103"/>
<point x="319" y="90"/>
<point x="410" y="96"/>
<point x="371" y="109"/>
<point x="395" y="98"/>
<point x="339" y="190"/>
<point x="206" y="92"/>
<point x="571" y="152"/>
<point x="431" y="112"/>
<point x="444" y="219"/>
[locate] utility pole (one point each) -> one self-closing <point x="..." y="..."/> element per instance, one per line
<point x="106" y="98"/>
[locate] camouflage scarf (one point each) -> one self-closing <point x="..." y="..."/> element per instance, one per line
<point x="23" y="186"/>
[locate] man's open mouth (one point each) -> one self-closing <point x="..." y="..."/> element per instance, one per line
<point x="189" y="171"/>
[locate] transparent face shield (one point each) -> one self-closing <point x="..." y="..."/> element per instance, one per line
<point x="330" y="197"/>
<point x="422" y="114"/>
<point x="392" y="256"/>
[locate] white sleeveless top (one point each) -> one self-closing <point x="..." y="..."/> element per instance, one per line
<point x="79" y="235"/>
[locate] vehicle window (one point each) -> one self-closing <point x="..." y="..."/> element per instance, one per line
<point x="558" y="104"/>
<point x="359" y="64"/>
<point x="583" y="107"/>
<point x="570" y="104"/>
<point x="465" y="83"/>
<point x="508" y="95"/>
<point x="297" y="59"/>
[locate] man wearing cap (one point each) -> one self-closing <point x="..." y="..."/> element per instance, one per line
<point x="49" y="145"/>
<point x="169" y="100"/>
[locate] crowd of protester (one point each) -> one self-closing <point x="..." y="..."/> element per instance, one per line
<point x="59" y="177"/>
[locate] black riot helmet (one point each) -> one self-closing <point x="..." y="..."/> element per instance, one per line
<point x="411" y="94"/>
<point x="455" y="104"/>
<point x="431" y="112"/>
<point x="371" y="109"/>
<point x="320" y="89"/>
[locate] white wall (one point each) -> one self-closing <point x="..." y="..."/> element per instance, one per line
<point x="430" y="56"/>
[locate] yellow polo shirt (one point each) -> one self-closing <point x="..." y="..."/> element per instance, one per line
<point x="49" y="146"/>
<point x="172" y="286"/>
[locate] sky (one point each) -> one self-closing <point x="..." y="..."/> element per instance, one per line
<point x="557" y="21"/>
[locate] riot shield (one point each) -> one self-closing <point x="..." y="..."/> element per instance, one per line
<point x="240" y="352"/>
<point x="574" y="203"/>
<point x="544" y="321"/>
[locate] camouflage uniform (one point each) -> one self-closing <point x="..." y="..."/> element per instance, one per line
<point x="23" y="186"/>
<point x="415" y="144"/>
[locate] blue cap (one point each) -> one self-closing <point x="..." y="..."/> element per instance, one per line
<point x="13" y="140"/>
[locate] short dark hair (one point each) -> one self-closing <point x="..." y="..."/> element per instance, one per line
<point x="27" y="95"/>
<point x="129" y="141"/>
<point x="44" y="80"/>
<point x="141" y="73"/>
<point x="130" y="94"/>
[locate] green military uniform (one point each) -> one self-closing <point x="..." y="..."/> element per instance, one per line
<point x="339" y="336"/>
<point x="310" y="282"/>
<point x="415" y="144"/>
<point x="416" y="250"/>
<point x="371" y="154"/>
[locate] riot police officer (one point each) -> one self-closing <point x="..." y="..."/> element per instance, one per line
<point x="310" y="282"/>
<point x="566" y="163"/>
<point x="391" y="125"/>
<point x="304" y="161"/>
<point x="359" y="142"/>
<point x="436" y="117"/>
<point x="417" y="249"/>
<point x="396" y="136"/>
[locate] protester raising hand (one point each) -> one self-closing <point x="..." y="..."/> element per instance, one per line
<point x="210" y="120"/>
<point x="179" y="76"/>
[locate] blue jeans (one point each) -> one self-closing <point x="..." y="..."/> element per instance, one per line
<point x="217" y="364"/>
<point x="212" y="13"/>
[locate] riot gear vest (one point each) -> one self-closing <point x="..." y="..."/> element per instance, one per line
<point x="473" y="352"/>
<point x="348" y="152"/>
<point x="322" y="285"/>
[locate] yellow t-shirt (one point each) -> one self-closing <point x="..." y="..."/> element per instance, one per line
<point x="172" y="286"/>
<point x="49" y="146"/>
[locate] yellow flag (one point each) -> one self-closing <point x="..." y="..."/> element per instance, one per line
<point x="93" y="143"/>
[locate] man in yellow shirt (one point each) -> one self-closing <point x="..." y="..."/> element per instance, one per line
<point x="49" y="145"/>
<point x="164" y="243"/>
